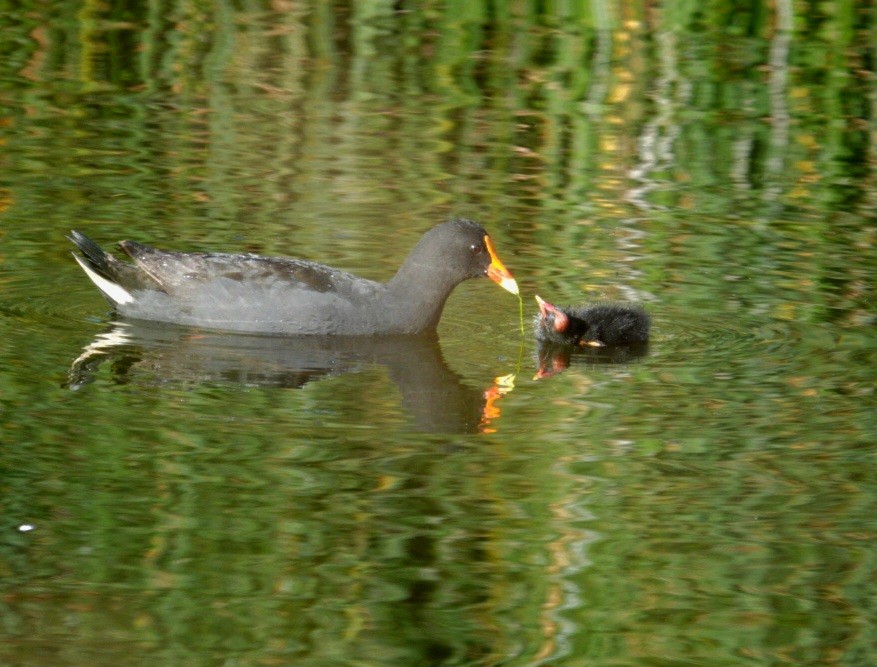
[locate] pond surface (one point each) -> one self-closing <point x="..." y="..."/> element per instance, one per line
<point x="189" y="497"/>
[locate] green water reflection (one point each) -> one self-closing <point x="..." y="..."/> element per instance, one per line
<point x="170" y="497"/>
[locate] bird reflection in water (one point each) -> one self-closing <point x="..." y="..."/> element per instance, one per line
<point x="552" y="359"/>
<point x="433" y="396"/>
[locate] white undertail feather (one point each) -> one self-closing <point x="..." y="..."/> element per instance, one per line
<point x="115" y="293"/>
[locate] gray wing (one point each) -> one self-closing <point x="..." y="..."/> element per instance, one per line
<point x="179" y="272"/>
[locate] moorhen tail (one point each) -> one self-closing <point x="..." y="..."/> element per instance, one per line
<point x="276" y="295"/>
<point x="601" y="324"/>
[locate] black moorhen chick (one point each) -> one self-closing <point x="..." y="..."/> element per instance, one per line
<point x="598" y="325"/>
<point x="256" y="294"/>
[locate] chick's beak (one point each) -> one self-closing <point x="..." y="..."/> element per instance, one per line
<point x="560" y="320"/>
<point x="543" y="306"/>
<point x="497" y="272"/>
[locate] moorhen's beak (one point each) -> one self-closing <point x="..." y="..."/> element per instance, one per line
<point x="497" y="271"/>
<point x="560" y="319"/>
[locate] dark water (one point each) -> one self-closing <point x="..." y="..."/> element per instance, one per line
<point x="173" y="496"/>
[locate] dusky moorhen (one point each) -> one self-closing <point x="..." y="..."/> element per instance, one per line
<point x="276" y="295"/>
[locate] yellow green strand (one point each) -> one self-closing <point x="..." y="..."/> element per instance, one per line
<point x="521" y="312"/>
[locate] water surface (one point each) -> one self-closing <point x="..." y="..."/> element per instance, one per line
<point x="177" y="496"/>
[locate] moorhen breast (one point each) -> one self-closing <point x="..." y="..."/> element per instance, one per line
<point x="277" y="295"/>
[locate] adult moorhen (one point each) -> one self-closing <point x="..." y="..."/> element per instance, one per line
<point x="256" y="294"/>
<point x="597" y="325"/>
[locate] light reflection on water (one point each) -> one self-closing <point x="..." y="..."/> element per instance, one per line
<point x="659" y="479"/>
<point x="639" y="493"/>
<point x="199" y="498"/>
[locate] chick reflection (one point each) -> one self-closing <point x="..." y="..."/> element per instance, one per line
<point x="432" y="395"/>
<point x="553" y="359"/>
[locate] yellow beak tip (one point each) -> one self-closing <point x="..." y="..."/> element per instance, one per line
<point x="510" y="285"/>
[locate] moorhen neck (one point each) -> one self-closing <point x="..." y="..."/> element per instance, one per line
<point x="256" y="294"/>
<point x="601" y="324"/>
